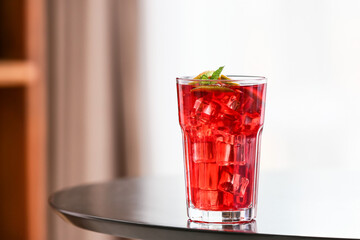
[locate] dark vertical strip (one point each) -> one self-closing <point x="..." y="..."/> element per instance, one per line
<point x="12" y="29"/>
<point x="118" y="105"/>
<point x="51" y="96"/>
<point x="13" y="213"/>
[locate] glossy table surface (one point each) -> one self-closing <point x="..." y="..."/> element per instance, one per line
<point x="292" y="205"/>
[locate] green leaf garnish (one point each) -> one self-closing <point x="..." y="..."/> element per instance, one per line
<point x="210" y="75"/>
<point x="211" y="88"/>
<point x="217" y="73"/>
<point x="205" y="83"/>
<point x="204" y="76"/>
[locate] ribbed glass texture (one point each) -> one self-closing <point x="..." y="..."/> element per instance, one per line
<point x="221" y="122"/>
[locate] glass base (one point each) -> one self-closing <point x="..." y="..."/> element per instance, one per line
<point x="227" y="217"/>
<point x="249" y="227"/>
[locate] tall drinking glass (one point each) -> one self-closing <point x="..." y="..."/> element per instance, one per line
<point x="221" y="123"/>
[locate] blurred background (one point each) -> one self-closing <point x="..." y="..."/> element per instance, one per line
<point x="88" y="94"/>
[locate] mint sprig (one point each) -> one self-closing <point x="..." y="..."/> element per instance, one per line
<point x="217" y="73"/>
<point x="204" y="76"/>
<point x="211" y="88"/>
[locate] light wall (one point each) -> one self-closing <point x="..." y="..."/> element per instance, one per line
<point x="309" y="51"/>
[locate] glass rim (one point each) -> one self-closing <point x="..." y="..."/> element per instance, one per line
<point x="246" y="79"/>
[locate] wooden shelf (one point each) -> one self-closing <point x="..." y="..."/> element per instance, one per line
<point x="23" y="120"/>
<point x="16" y="73"/>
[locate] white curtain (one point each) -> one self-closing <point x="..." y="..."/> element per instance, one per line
<point x="308" y="49"/>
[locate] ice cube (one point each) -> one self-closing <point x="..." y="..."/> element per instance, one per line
<point x="238" y="126"/>
<point x="225" y="176"/>
<point x="198" y="106"/>
<point x="242" y="197"/>
<point x="256" y="121"/>
<point x="209" y="111"/>
<point x="252" y="121"/>
<point x="225" y="122"/>
<point x="226" y="187"/>
<point x="239" y="152"/>
<point x="224" y="147"/>
<point x="233" y="103"/>
<point x="236" y="182"/>
<point x="246" y="105"/>
<point x="240" y="183"/>
<point x="250" y="149"/>
<point x="196" y="112"/>
<point x="227" y="199"/>
<point x="248" y="124"/>
<point x="243" y="186"/>
<point x="225" y="182"/>
<point x="203" y="111"/>
<point x="223" y="153"/>
<point x="204" y="131"/>
<point x="227" y="116"/>
<point x="224" y="136"/>
<point x="203" y="151"/>
<point x="247" y="120"/>
<point x="208" y="176"/>
<point x="232" y="182"/>
<point x="207" y="199"/>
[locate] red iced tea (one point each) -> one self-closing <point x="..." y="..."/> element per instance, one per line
<point x="221" y="125"/>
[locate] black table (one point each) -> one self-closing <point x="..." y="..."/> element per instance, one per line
<point x="294" y="205"/>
